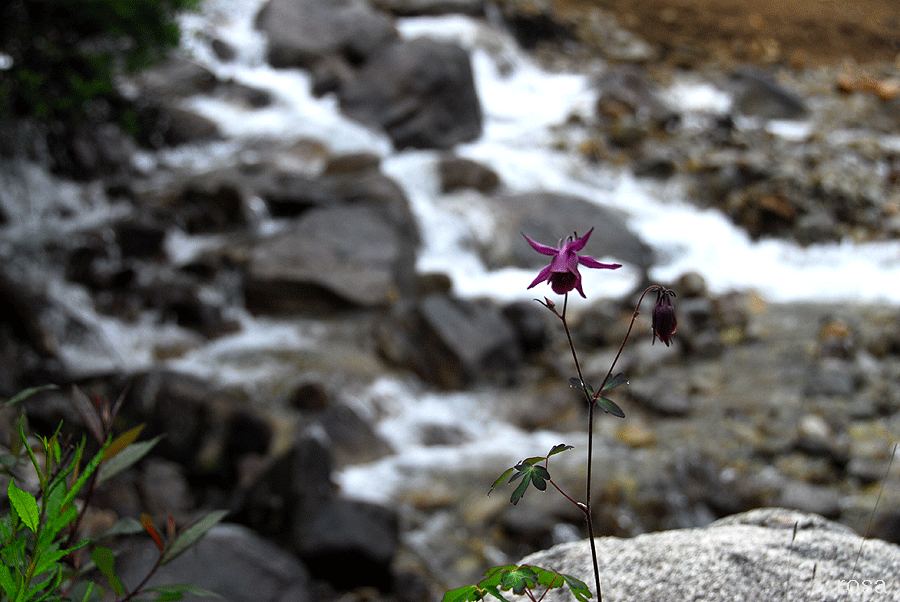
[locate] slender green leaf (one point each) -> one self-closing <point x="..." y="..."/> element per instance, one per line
<point x="586" y="387"/>
<point x="49" y="558"/>
<point x="126" y="458"/>
<point x="579" y="588"/>
<point x="23" y="395"/>
<point x="24" y="505"/>
<point x="610" y="407"/>
<point x="616" y="381"/>
<point x="469" y="593"/>
<point x="519" y="491"/>
<point x="501" y="478"/>
<point x="105" y="561"/>
<point x="192" y="534"/>
<point x="122" y="441"/>
<point x="7" y="583"/>
<point x="85" y="475"/>
<point x="90" y="415"/>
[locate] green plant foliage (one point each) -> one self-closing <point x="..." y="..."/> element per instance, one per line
<point x="65" y="54"/>
<point x="38" y="544"/>
<point x="528" y="468"/>
<point x="517" y="579"/>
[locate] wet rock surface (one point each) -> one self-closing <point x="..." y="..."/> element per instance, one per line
<point x="748" y="556"/>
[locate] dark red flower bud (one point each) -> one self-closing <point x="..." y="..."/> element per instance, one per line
<point x="664" y="320"/>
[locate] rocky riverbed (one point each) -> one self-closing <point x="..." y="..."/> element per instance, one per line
<point x="260" y="294"/>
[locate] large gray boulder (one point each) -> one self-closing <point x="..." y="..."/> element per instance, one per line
<point x="549" y="216"/>
<point x="230" y="560"/>
<point x="422" y="92"/>
<point x="302" y="33"/>
<point x="753" y="557"/>
<point x="333" y="257"/>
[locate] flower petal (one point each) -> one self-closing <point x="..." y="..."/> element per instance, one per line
<point x="541" y="248"/>
<point x="588" y="261"/>
<point x="543" y="275"/>
<point x="577" y="245"/>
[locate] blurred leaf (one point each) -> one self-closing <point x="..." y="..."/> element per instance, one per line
<point x="501" y="478"/>
<point x="150" y="528"/>
<point x="587" y="388"/>
<point x="192" y="534"/>
<point x="126" y="458"/>
<point x="24" y="505"/>
<point x="616" y="381"/>
<point x="23" y="395"/>
<point x="610" y="407"/>
<point x="90" y="414"/>
<point x="121" y="442"/>
<point x="469" y="593"/>
<point x="177" y="592"/>
<point x="105" y="561"/>
<point x="559" y="449"/>
<point x="126" y="525"/>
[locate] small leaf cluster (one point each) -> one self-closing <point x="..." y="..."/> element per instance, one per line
<point x="519" y="580"/>
<point x="42" y="558"/>
<point x="532" y="471"/>
<point x="608" y="405"/>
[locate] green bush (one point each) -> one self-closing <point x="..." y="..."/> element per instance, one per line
<point x="61" y="57"/>
<point x="42" y="556"/>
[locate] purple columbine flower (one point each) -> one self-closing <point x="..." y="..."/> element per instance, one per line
<point x="663" y="319"/>
<point x="562" y="273"/>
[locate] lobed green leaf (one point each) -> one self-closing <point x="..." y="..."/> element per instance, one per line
<point x="559" y="449"/>
<point x="616" y="381"/>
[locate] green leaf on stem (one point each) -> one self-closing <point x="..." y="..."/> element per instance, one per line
<point x="105" y="561"/>
<point x="578" y="588"/>
<point x="533" y="473"/>
<point x="586" y="387"/>
<point x="24" y="505"/>
<point x="501" y="478"/>
<point x="610" y="407"/>
<point x="192" y="535"/>
<point x="126" y="458"/>
<point x="518" y="579"/>
<point x="7" y="584"/>
<point x="617" y="380"/>
<point x="559" y="448"/>
<point x="468" y="593"/>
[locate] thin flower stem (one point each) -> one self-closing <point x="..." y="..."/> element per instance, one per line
<point x="586" y="507"/>
<point x="622" y="346"/>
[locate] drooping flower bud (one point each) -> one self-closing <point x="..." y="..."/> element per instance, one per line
<point x="663" y="319"/>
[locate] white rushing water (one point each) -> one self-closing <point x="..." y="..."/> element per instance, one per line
<point x="522" y="105"/>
